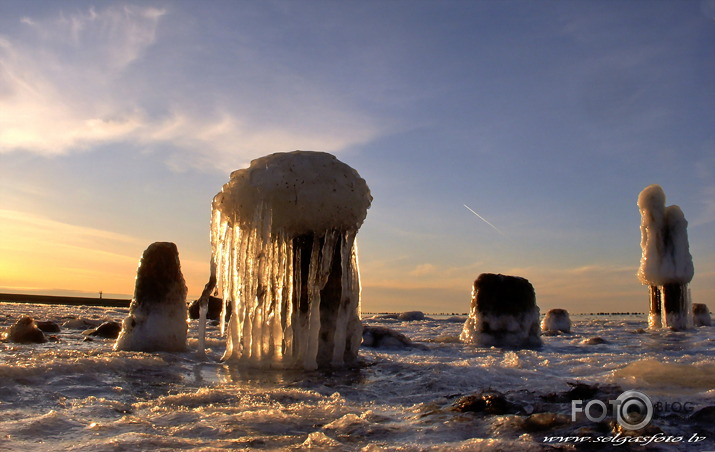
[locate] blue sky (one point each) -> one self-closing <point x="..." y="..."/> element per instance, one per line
<point x="120" y="121"/>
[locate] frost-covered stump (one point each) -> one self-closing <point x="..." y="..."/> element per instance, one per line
<point x="556" y="320"/>
<point x="283" y="239"/>
<point x="503" y="313"/>
<point x="701" y="315"/>
<point x="666" y="264"/>
<point x="157" y="314"/>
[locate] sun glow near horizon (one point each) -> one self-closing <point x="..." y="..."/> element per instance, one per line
<point x="38" y="254"/>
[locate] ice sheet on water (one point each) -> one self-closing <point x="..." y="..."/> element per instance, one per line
<point x="655" y="373"/>
<point x="397" y="400"/>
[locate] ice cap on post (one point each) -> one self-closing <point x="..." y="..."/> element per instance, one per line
<point x="306" y="192"/>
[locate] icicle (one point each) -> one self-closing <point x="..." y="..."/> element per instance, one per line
<point x="204" y="307"/>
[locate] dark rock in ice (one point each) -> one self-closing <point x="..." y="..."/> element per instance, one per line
<point x="584" y="391"/>
<point x="383" y="337"/>
<point x="556" y="321"/>
<point x="386" y="317"/>
<point x="640" y="331"/>
<point x="48" y="327"/>
<point x="594" y="341"/>
<point x="649" y="430"/>
<point x="87" y="339"/>
<point x="503" y="313"/>
<point x="53" y="339"/>
<point x="411" y="316"/>
<point x="214" y="312"/>
<point x="157" y="314"/>
<point x="581" y="391"/>
<point x="701" y="315"/>
<point x="107" y="330"/>
<point x="705" y="415"/>
<point x="538" y="422"/>
<point x="81" y="324"/>
<point x="455" y="319"/>
<point x="446" y="339"/>
<point x="25" y="331"/>
<point x="491" y="402"/>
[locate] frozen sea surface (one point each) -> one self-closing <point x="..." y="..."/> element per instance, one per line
<point x="82" y="396"/>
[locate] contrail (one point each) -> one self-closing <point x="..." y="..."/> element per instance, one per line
<point x="483" y="219"/>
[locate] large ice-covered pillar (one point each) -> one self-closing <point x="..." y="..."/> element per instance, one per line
<point x="503" y="313"/>
<point x="666" y="264"/>
<point x="284" y="250"/>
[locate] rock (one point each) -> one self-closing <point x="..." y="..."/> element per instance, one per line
<point x="581" y="391"/>
<point x="385" y="317"/>
<point x="491" y="402"/>
<point x="701" y="315"/>
<point x="594" y="341"/>
<point x="157" y="314"/>
<point x="25" y="331"/>
<point x="556" y="320"/>
<point x="48" y="327"/>
<point x="538" y="422"/>
<point x="456" y="319"/>
<point x="705" y="415"/>
<point x="503" y="313"/>
<point x="107" y="330"/>
<point x="446" y="339"/>
<point x="383" y="337"/>
<point x="81" y="324"/>
<point x="411" y="316"/>
<point x="214" y="312"/>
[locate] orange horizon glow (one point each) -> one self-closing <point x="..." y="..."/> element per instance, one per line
<point x="38" y="254"/>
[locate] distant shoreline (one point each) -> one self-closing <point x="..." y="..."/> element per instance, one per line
<point x="71" y="301"/>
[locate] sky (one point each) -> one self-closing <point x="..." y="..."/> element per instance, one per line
<point x="119" y="122"/>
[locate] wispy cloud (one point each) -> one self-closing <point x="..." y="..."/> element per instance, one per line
<point x="75" y="81"/>
<point x="59" y="79"/>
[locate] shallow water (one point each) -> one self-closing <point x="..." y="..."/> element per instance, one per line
<point x="75" y="395"/>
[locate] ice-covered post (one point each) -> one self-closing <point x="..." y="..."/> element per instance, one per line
<point x="666" y="264"/>
<point x="283" y="243"/>
<point x="701" y="315"/>
<point x="503" y="313"/>
<point x="157" y="314"/>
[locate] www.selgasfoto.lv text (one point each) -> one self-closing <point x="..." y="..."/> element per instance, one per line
<point x="618" y="440"/>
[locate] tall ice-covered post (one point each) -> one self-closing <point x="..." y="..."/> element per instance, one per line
<point x="666" y="264"/>
<point x="284" y="251"/>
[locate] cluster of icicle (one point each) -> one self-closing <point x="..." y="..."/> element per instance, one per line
<point x="259" y="269"/>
